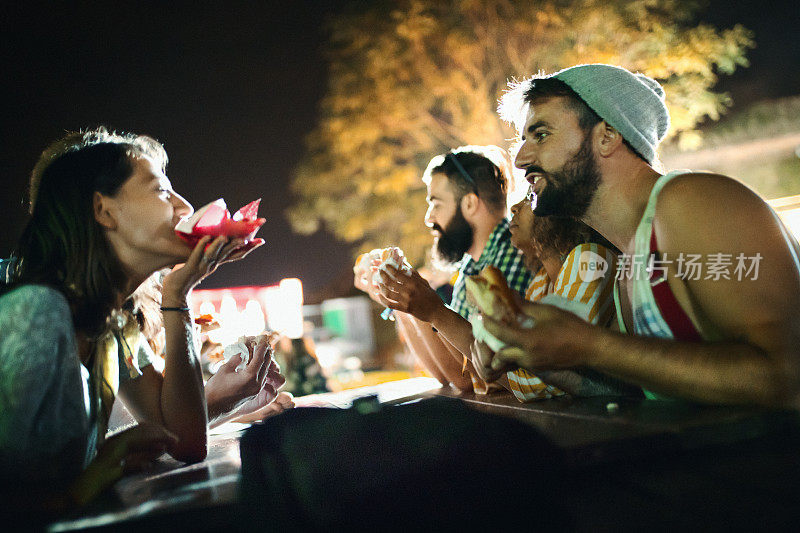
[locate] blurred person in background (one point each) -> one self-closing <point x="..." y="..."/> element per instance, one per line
<point x="467" y="191"/>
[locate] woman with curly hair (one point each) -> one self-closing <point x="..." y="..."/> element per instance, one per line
<point x="575" y="270"/>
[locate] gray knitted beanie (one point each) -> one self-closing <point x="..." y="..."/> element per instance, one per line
<point x="632" y="104"/>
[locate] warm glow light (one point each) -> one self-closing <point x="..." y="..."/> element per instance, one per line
<point x="292" y="289"/>
<point x="252" y="318"/>
<point x="230" y="328"/>
<point x="284" y="306"/>
<point x="272" y="303"/>
<point x="207" y="308"/>
<point x="292" y="296"/>
<point x="789" y="210"/>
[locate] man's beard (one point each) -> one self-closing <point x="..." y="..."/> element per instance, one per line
<point x="569" y="191"/>
<point x="453" y="241"/>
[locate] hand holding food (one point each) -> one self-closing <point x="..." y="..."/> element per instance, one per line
<point x="214" y="219"/>
<point x="245" y="348"/>
<point x="249" y="380"/>
<point x="362" y="269"/>
<point x="391" y="256"/>
<point x="490" y="293"/>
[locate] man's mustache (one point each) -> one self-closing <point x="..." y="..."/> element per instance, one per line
<point x="437" y="227"/>
<point x="535" y="168"/>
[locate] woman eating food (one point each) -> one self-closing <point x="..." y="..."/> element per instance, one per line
<point x="102" y="222"/>
<point x="561" y="249"/>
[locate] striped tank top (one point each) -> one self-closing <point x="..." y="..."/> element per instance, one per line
<point x="654" y="309"/>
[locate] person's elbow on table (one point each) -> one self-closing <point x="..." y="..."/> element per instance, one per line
<point x="192" y="450"/>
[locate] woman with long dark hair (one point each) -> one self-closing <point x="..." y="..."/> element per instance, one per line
<point x="102" y="222"/>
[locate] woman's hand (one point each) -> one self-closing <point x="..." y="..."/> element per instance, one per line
<point x="230" y="393"/>
<point x="207" y="255"/>
<point x="128" y="451"/>
<point x="283" y="402"/>
<point x="482" y="357"/>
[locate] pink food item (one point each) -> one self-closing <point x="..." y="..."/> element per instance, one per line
<point x="215" y="219"/>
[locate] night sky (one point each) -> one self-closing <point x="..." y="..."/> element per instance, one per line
<point x="232" y="93"/>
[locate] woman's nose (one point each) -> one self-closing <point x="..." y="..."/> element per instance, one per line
<point x="182" y="207"/>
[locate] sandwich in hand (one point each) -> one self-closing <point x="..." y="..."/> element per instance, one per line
<point x="489" y="292"/>
<point x="214" y="219"/>
<point x="391" y="256"/>
<point x="370" y="265"/>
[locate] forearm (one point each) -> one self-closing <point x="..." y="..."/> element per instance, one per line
<point x="725" y="373"/>
<point x="418" y="348"/>
<point x="450" y="364"/>
<point x="455" y="333"/>
<point x="218" y="412"/>
<point x="587" y="382"/>
<point x="183" y="402"/>
<point x="455" y="329"/>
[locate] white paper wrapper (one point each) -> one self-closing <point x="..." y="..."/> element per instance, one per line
<point x="397" y="260"/>
<point x="573" y="306"/>
<point x="480" y="333"/>
<point x="240" y="349"/>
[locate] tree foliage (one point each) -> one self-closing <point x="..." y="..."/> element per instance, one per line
<point x="410" y="79"/>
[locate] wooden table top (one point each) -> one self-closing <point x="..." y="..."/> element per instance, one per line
<point x="590" y="429"/>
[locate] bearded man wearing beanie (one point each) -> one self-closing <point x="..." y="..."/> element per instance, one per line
<point x="726" y="330"/>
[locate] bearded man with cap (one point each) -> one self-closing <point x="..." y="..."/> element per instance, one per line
<point x="588" y="141"/>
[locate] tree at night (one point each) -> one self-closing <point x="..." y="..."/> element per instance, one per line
<point x="410" y="79"/>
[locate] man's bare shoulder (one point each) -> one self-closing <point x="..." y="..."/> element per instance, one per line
<point x="706" y="192"/>
<point x="700" y="211"/>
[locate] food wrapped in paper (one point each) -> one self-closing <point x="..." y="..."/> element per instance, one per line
<point x="362" y="268"/>
<point x="215" y="219"/>
<point x="391" y="256"/>
<point x="244" y="348"/>
<point x="489" y="292"/>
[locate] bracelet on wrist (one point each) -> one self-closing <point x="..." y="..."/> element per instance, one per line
<point x="180" y="309"/>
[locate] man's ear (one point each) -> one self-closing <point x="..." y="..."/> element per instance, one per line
<point x="469" y="205"/>
<point x="102" y="212"/>
<point x="607" y="139"/>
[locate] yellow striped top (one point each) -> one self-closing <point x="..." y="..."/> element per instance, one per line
<point x="582" y="280"/>
<point x="539" y="287"/>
